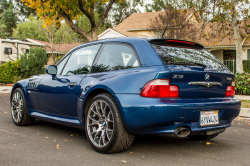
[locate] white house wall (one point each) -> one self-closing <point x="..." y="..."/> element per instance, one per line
<point x="13" y="56"/>
<point x="110" y="34"/>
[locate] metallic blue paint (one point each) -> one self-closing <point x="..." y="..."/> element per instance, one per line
<point x="55" y="101"/>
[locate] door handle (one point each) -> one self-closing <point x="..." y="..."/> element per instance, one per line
<point x="72" y="84"/>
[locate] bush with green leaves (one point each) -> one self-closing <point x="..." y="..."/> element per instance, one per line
<point x="32" y="63"/>
<point x="242" y="83"/>
<point x="246" y="65"/>
<point x="8" y="71"/>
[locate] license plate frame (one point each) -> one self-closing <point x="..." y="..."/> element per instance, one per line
<point x="209" y="118"/>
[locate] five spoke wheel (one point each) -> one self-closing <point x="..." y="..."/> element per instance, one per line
<point x="100" y="123"/>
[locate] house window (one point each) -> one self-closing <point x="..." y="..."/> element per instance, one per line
<point x="27" y="51"/>
<point x="7" y="51"/>
<point x="248" y="54"/>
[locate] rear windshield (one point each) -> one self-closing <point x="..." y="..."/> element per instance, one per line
<point x="182" y="55"/>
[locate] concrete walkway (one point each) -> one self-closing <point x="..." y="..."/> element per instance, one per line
<point x="5" y="89"/>
<point x="243" y="97"/>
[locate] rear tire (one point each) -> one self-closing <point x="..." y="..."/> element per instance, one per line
<point x="19" y="112"/>
<point x="202" y="137"/>
<point x="104" y="126"/>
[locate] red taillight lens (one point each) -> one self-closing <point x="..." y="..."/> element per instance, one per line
<point x="230" y="90"/>
<point x="160" y="88"/>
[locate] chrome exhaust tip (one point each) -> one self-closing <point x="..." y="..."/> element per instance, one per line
<point x="182" y="131"/>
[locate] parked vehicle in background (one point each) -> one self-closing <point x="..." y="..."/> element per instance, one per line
<point x="116" y="88"/>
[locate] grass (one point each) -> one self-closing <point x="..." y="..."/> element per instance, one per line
<point x="245" y="103"/>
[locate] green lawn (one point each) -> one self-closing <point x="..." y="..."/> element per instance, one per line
<point x="245" y="104"/>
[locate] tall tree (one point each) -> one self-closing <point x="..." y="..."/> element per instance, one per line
<point x="221" y="19"/>
<point x="173" y="24"/>
<point x="55" y="11"/>
<point x="23" y="11"/>
<point x="8" y="19"/>
<point x="32" y="29"/>
<point x="124" y="9"/>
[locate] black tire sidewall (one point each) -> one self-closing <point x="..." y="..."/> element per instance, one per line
<point x="114" y="107"/>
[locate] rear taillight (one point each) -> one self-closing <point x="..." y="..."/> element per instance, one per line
<point x="160" y="88"/>
<point x="230" y="90"/>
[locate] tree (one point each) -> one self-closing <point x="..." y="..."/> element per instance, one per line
<point x="221" y="19"/>
<point x="8" y="20"/>
<point x="32" y="29"/>
<point x="123" y="10"/>
<point x="23" y="11"/>
<point x="70" y="11"/>
<point x="173" y="24"/>
<point x="32" y="63"/>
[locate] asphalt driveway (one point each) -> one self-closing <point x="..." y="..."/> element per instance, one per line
<point x="50" y="144"/>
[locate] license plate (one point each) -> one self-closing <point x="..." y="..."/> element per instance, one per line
<point x="209" y="118"/>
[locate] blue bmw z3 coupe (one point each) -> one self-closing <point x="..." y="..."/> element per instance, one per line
<point x="116" y="88"/>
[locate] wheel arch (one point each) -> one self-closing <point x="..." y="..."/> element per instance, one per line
<point x="99" y="89"/>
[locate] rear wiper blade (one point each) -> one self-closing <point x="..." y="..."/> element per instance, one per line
<point x="188" y="63"/>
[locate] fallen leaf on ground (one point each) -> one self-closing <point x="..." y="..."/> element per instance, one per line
<point x="123" y="161"/>
<point x="71" y="140"/>
<point x="208" y="143"/>
<point x="54" y="140"/>
<point x="37" y="133"/>
<point x="47" y="141"/>
<point x="13" y="130"/>
<point x="66" y="140"/>
<point x="142" y="156"/>
<point x="5" y="112"/>
<point x="131" y="152"/>
<point x="71" y="135"/>
<point x="57" y="146"/>
<point x="46" y="137"/>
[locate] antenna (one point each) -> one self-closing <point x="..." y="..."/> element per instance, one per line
<point x="162" y="36"/>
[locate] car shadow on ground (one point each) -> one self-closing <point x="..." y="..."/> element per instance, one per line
<point x="153" y="142"/>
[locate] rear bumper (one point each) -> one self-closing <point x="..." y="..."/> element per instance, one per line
<point x="149" y="115"/>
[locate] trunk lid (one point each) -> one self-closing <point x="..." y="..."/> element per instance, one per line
<point x="192" y="82"/>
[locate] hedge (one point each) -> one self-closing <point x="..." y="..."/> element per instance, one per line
<point x="242" y="83"/>
<point x="246" y="65"/>
<point x="29" y="64"/>
<point x="8" y="71"/>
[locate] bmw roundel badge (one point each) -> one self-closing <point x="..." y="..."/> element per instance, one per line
<point x="207" y="77"/>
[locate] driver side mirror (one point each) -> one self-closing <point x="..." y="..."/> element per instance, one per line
<point x="52" y="70"/>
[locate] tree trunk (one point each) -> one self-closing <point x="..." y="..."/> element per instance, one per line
<point x="237" y="37"/>
<point x="94" y="34"/>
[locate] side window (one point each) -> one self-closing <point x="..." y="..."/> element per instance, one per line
<point x="61" y="65"/>
<point x="116" y="57"/>
<point x="81" y="60"/>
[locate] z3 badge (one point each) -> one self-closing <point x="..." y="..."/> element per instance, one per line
<point x="178" y="76"/>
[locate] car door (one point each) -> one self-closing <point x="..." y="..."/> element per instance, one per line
<point x="58" y="94"/>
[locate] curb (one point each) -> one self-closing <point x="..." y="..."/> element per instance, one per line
<point x="245" y="112"/>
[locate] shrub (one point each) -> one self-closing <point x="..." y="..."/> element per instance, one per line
<point x="242" y="84"/>
<point x="8" y="71"/>
<point x="246" y="65"/>
<point x="32" y="63"/>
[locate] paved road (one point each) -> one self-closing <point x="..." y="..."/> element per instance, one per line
<point x="36" y="145"/>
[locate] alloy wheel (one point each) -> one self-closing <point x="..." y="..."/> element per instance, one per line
<point x="100" y="123"/>
<point x="17" y="107"/>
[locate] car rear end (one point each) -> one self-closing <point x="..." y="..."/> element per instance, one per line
<point x="196" y="98"/>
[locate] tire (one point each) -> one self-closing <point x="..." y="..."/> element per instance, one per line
<point x="202" y="137"/>
<point x="18" y="108"/>
<point x="104" y="126"/>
